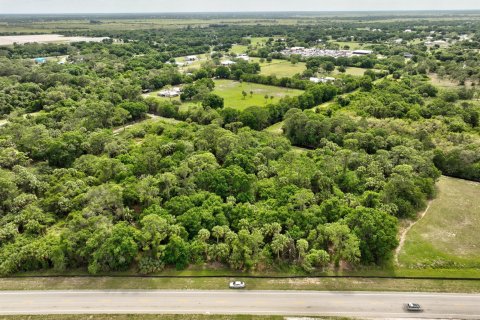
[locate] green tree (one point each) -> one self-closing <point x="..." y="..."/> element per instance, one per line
<point x="213" y="101"/>
<point x="117" y="250"/>
<point x="377" y="231"/>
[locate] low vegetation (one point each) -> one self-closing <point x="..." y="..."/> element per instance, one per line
<point x="447" y="236"/>
<point x="143" y="317"/>
<point x="358" y="284"/>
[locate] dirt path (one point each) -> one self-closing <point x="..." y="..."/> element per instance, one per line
<point x="403" y="235"/>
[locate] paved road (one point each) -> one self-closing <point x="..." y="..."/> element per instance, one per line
<point x="301" y="303"/>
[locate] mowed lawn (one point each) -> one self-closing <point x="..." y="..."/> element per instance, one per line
<point x="353" y="45"/>
<point x="239" y="49"/>
<point x="280" y="68"/>
<point x="231" y="91"/>
<point x="448" y="234"/>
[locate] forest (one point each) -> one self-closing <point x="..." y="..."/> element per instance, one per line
<point x="87" y="182"/>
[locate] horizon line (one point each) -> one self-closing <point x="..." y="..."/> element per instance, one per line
<point x="248" y="12"/>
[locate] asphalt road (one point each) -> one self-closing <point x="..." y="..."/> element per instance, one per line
<point x="300" y="303"/>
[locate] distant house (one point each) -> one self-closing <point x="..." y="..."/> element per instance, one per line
<point x="295" y="49"/>
<point x="322" y="80"/>
<point x="170" y="93"/>
<point x="362" y="52"/>
<point x="408" y="30"/>
<point x="440" y="42"/>
<point x="40" y="60"/>
<point x="398" y="41"/>
<point x="244" y="57"/>
<point x="191" y="58"/>
<point x="408" y="55"/>
<point x="227" y="63"/>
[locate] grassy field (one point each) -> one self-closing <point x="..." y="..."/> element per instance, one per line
<point x="231" y="91"/>
<point x="59" y="26"/>
<point x="280" y="68"/>
<point x="260" y="41"/>
<point x="239" y="49"/>
<point x="353" y="45"/>
<point x="443" y="83"/>
<point x="448" y="234"/>
<point x="277" y="128"/>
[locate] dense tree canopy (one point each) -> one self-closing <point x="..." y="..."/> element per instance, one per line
<point x="87" y="182"/>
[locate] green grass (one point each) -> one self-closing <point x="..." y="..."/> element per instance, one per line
<point x="150" y="317"/>
<point x="448" y="234"/>
<point x="142" y="317"/>
<point x="353" y="45"/>
<point x="231" y="91"/>
<point x="277" y="128"/>
<point x="443" y="83"/>
<point x="239" y="49"/>
<point x="334" y="284"/>
<point x="59" y="26"/>
<point x="280" y="68"/>
<point x="256" y="41"/>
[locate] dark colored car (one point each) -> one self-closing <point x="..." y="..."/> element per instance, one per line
<point x="413" y="307"/>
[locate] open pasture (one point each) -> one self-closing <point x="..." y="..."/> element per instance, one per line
<point x="231" y="91"/>
<point x="447" y="236"/>
<point x="280" y="68"/>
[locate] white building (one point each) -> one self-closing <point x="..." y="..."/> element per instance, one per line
<point x="227" y="63"/>
<point x="191" y="58"/>
<point x="297" y="49"/>
<point x="244" y="57"/>
<point x="362" y="52"/>
<point x="170" y="93"/>
<point x="322" y="80"/>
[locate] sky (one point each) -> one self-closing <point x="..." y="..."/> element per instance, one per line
<point x="160" y="6"/>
